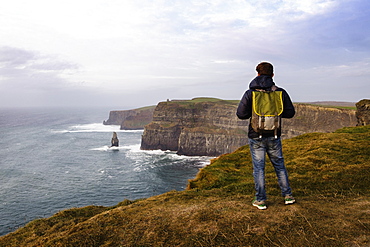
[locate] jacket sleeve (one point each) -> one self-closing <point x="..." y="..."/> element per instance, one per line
<point x="289" y="110"/>
<point x="244" y="110"/>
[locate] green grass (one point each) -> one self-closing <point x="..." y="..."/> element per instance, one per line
<point x="329" y="175"/>
<point x="204" y="100"/>
<point x="193" y="102"/>
<point x="146" y="108"/>
<point x="331" y="106"/>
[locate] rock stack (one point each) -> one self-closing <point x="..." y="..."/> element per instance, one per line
<point x="115" y="141"/>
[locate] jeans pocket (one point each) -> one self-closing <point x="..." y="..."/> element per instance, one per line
<point x="255" y="143"/>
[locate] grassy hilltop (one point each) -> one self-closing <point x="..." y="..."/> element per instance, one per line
<point x="330" y="178"/>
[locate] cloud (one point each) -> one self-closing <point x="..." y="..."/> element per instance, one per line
<point x="15" y="57"/>
<point x="177" y="48"/>
<point x="28" y="77"/>
<point x="28" y="68"/>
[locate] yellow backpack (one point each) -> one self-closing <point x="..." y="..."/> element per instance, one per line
<point x="267" y="107"/>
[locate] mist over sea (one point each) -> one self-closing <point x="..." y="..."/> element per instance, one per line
<point x="55" y="159"/>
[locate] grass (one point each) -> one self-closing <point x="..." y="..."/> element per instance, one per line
<point x="146" y="108"/>
<point x="194" y="103"/>
<point x="331" y="106"/>
<point x="204" y="100"/>
<point x="329" y="175"/>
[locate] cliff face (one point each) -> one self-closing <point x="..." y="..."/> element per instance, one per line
<point x="210" y="127"/>
<point x="131" y="119"/>
<point x="195" y="128"/>
<point x="311" y="118"/>
<point x="363" y="112"/>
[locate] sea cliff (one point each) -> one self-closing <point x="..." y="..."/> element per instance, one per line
<point x="313" y="118"/>
<point x="363" y="112"/>
<point x="208" y="126"/>
<point x="200" y="126"/>
<point x="131" y="119"/>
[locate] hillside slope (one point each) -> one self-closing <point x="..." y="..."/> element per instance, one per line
<point x="330" y="178"/>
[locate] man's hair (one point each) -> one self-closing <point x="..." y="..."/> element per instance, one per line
<point x="265" y="68"/>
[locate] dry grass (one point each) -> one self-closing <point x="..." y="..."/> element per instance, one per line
<point x="330" y="177"/>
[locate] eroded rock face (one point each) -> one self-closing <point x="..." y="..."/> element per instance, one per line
<point x="131" y="119"/>
<point x="197" y="143"/>
<point x="212" y="128"/>
<point x="199" y="128"/>
<point x="163" y="137"/>
<point x="312" y="118"/>
<point x="363" y="112"/>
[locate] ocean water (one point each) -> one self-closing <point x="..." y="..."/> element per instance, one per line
<point x="55" y="159"/>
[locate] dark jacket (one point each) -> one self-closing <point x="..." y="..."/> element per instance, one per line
<point x="244" y="110"/>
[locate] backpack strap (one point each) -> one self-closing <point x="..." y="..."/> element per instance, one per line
<point x="274" y="88"/>
<point x="276" y="122"/>
<point x="262" y="125"/>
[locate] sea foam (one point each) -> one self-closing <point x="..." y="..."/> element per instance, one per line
<point x="93" y="127"/>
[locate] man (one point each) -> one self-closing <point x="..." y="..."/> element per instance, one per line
<point x="269" y="141"/>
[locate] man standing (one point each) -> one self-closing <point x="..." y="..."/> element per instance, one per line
<point x="267" y="141"/>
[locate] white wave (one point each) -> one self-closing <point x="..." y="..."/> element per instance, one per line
<point x="148" y="159"/>
<point x="106" y="148"/>
<point x="136" y="149"/>
<point x="94" y="127"/>
<point x="172" y="154"/>
<point x="132" y="148"/>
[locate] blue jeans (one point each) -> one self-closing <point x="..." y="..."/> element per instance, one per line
<point x="259" y="147"/>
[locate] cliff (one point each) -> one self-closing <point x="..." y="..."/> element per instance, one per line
<point x="131" y="119"/>
<point x="207" y="126"/>
<point x="312" y="118"/>
<point x="202" y="126"/>
<point x="363" y="112"/>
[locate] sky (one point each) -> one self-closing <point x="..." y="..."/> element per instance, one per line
<point x="129" y="53"/>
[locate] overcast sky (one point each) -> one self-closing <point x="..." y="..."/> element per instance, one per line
<point x="131" y="53"/>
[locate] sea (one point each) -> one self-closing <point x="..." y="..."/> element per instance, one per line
<point x="52" y="159"/>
